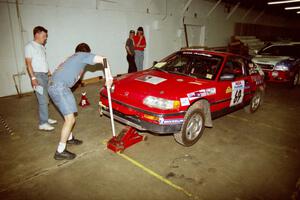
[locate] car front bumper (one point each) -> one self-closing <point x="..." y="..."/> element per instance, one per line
<point x="168" y="126"/>
<point x="143" y="125"/>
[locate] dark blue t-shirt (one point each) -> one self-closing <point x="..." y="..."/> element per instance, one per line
<point x="70" y="70"/>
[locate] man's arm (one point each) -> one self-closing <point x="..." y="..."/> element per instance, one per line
<point x="28" y="62"/>
<point x="128" y="50"/>
<point x="142" y="46"/>
<point x="127" y="47"/>
<point x="139" y="43"/>
<point x="108" y="76"/>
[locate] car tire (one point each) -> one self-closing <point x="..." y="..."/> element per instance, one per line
<point x="295" y="81"/>
<point x="193" y="126"/>
<point x="255" y="102"/>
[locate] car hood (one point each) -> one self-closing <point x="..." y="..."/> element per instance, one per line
<point x="268" y="60"/>
<point x="133" y="88"/>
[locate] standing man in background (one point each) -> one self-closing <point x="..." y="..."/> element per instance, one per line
<point x="130" y="52"/>
<point x="37" y="66"/>
<point x="140" y="45"/>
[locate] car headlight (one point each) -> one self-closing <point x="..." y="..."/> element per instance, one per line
<point x="281" y="68"/>
<point x="160" y="103"/>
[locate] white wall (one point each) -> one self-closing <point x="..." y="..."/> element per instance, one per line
<point x="104" y="25"/>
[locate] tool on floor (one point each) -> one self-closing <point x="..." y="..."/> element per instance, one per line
<point x="128" y="136"/>
<point x="84" y="102"/>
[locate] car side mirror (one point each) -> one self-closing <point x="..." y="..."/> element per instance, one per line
<point x="154" y="63"/>
<point x="227" y="77"/>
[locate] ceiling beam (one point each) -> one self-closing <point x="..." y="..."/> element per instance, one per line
<point x="247" y="13"/>
<point x="259" y="16"/>
<point x="186" y="6"/>
<point x="233" y="10"/>
<point x="213" y="8"/>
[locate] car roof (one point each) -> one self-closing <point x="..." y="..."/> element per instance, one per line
<point x="216" y="53"/>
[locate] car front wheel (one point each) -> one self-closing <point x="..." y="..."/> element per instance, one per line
<point x="193" y="126"/>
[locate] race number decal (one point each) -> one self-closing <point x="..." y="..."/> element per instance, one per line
<point x="237" y="94"/>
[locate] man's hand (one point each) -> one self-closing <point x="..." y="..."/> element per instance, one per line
<point x="108" y="77"/>
<point x="98" y="59"/>
<point x="34" y="83"/>
<point x="108" y="83"/>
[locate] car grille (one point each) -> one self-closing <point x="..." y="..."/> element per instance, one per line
<point x="266" y="66"/>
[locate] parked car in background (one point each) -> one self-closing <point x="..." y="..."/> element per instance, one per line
<point x="280" y="62"/>
<point x="182" y="93"/>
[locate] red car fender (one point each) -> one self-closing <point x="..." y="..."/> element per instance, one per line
<point x="204" y="104"/>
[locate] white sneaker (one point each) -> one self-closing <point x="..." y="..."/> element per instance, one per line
<point x="46" y="127"/>
<point x="52" y="121"/>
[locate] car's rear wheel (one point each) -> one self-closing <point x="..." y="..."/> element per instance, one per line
<point x="255" y="102"/>
<point x="193" y="126"/>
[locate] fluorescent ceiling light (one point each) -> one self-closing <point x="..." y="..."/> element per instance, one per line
<point x="281" y="2"/>
<point x="292" y="8"/>
<point x="298" y="12"/>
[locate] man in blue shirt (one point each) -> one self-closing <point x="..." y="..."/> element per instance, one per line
<point x="63" y="78"/>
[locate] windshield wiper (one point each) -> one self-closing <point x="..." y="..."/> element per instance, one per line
<point x="182" y="74"/>
<point x="159" y="69"/>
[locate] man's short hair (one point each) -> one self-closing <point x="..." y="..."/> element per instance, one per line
<point x="39" y="29"/>
<point x="82" y="47"/>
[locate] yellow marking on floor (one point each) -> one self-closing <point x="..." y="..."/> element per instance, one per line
<point x="152" y="173"/>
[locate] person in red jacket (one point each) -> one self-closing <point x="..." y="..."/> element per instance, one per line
<point x="139" y="46"/>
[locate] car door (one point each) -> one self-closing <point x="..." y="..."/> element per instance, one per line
<point x="232" y="90"/>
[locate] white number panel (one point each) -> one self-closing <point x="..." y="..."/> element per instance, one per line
<point x="237" y="94"/>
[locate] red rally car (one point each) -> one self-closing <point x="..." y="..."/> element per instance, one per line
<point x="182" y="93"/>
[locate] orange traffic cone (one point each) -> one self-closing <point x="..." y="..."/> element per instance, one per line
<point x="84" y="101"/>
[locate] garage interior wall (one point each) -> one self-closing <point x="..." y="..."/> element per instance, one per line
<point x="268" y="33"/>
<point x="104" y="25"/>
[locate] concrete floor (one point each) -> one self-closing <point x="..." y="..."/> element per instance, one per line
<point x="244" y="156"/>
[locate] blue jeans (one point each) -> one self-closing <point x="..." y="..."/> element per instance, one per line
<point x="43" y="100"/>
<point x="139" y="59"/>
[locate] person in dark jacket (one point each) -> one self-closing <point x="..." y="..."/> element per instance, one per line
<point x="130" y="52"/>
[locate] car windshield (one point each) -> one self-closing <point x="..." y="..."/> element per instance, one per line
<point x="278" y="50"/>
<point x="198" y="65"/>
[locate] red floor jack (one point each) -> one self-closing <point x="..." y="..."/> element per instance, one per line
<point x="128" y="136"/>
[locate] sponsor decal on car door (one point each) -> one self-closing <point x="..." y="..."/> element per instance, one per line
<point x="237" y="93"/>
